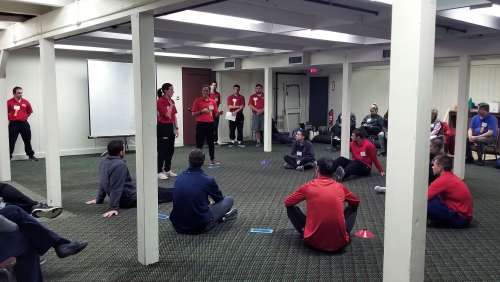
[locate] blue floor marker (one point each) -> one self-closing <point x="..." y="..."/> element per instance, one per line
<point x="261" y="230"/>
<point x="163" y="216"/>
<point x="265" y="163"/>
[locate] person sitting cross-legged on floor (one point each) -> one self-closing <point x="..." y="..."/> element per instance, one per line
<point x="328" y="223"/>
<point x="363" y="153"/>
<point x="192" y="213"/>
<point x="302" y="155"/>
<point x="23" y="237"/>
<point x="116" y="183"/>
<point x="449" y="199"/>
<point x="9" y="195"/>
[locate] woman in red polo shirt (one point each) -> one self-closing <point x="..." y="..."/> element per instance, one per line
<point x="217" y="98"/>
<point x="205" y="110"/>
<point x="166" y="130"/>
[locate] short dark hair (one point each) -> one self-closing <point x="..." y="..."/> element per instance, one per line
<point x="325" y="167"/>
<point x="484" y="106"/>
<point x="359" y="133"/>
<point x="196" y="158"/>
<point x="115" y="147"/>
<point x="444" y="161"/>
<point x="438" y="143"/>
<point x="258" y="84"/>
<point x="14" y="90"/>
<point x="236" y="85"/>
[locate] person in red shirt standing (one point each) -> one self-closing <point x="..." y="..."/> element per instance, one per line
<point x="449" y="199"/>
<point x="216" y="97"/>
<point x="256" y="103"/>
<point x="364" y="154"/>
<point x="236" y="104"/>
<point x="166" y="130"/>
<point x="18" y="111"/>
<point x="327" y="224"/>
<point x="205" y="110"/>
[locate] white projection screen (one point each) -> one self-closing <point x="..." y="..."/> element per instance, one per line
<point x="111" y="99"/>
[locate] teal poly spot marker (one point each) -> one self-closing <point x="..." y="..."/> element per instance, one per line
<point x="261" y="230"/>
<point x="163" y="216"/>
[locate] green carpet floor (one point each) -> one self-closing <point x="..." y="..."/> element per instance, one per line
<point x="230" y="253"/>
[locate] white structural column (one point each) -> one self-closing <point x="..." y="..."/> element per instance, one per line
<point x="145" y="137"/>
<point x="4" y="133"/>
<point x="410" y="93"/>
<point x="268" y="109"/>
<point x="50" y="121"/>
<point x="462" y="116"/>
<point x="346" y="109"/>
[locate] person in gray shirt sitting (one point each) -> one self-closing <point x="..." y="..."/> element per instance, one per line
<point x="302" y="155"/>
<point x="116" y="182"/>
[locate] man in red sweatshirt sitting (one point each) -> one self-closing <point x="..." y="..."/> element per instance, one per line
<point x="449" y="198"/>
<point x="364" y="153"/>
<point x="327" y="224"/>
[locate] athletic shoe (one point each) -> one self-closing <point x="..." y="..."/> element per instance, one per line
<point x="379" y="189"/>
<point x="339" y="174"/>
<point x="170" y="173"/>
<point x="240" y="144"/>
<point x="214" y="162"/>
<point x="232" y="143"/>
<point x="162" y="176"/>
<point x="287" y="166"/>
<point x="71" y="248"/>
<point x="230" y="215"/>
<point x="258" y="145"/>
<point x="43" y="210"/>
<point x="33" y="158"/>
<point x="300" y="168"/>
<point x="480" y="163"/>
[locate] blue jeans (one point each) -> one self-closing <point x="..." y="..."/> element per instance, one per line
<point x="440" y="214"/>
<point x="218" y="210"/>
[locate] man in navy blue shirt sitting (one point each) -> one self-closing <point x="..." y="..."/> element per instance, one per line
<point x="482" y="131"/>
<point x="115" y="181"/>
<point x="192" y="213"/>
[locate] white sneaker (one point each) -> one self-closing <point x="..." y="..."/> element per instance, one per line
<point x="162" y="176"/>
<point x="379" y="189"/>
<point x="170" y="173"/>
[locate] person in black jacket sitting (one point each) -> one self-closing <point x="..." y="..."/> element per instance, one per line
<point x="302" y="155"/>
<point x="373" y="124"/>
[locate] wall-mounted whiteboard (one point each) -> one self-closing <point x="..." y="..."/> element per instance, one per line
<point x="111" y="99"/>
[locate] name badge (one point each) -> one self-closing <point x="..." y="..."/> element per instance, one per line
<point x="299" y="154"/>
<point x="17" y="107"/>
<point x="363" y="154"/>
<point x="216" y="99"/>
<point x="23" y="105"/>
<point x="484" y="124"/>
<point x="211" y="107"/>
<point x="234" y="102"/>
<point x="255" y="100"/>
<point x="369" y="120"/>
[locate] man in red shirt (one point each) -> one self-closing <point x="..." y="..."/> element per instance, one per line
<point x="18" y="111"/>
<point x="364" y="153"/>
<point x="256" y="103"/>
<point x="236" y="104"/>
<point x="166" y="130"/>
<point x="205" y="110"/>
<point x="217" y="98"/>
<point x="449" y="199"/>
<point x="327" y="224"/>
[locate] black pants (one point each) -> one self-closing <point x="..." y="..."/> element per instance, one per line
<point x="236" y="125"/>
<point x="165" y="195"/>
<point x="12" y="196"/>
<point x="216" y="129"/>
<point x="480" y="148"/>
<point x="205" y="131"/>
<point x="298" y="218"/>
<point x="352" y="167"/>
<point x="165" y="143"/>
<point x="304" y="161"/>
<point x="37" y="241"/>
<point x="23" y="128"/>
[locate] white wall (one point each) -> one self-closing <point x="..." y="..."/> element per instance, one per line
<point x="71" y="75"/>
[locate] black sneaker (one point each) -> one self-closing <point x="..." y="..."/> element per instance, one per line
<point x="71" y="248"/>
<point x="287" y="166"/>
<point x="469" y="160"/>
<point x="33" y="158"/>
<point x="230" y="215"/>
<point x="300" y="168"/>
<point x="480" y="163"/>
<point x="43" y="210"/>
<point x="339" y="174"/>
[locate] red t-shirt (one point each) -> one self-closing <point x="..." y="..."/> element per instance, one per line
<point x="235" y="100"/>
<point x="257" y="101"/>
<point x="325" y="223"/>
<point x="18" y="110"/>
<point x="453" y="192"/>
<point x="366" y="153"/>
<point x="165" y="110"/>
<point x="201" y="103"/>
<point x="215" y="96"/>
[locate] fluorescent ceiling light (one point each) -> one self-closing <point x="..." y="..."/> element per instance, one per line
<point x="241" y="48"/>
<point x="90" y="48"/>
<point x="491" y="11"/>
<point x="388" y="2"/>
<point x="53" y="3"/>
<point x="120" y="36"/>
<point x="327" y="35"/>
<point x="191" y="56"/>
<point x="211" y="19"/>
<point x="5" y="24"/>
